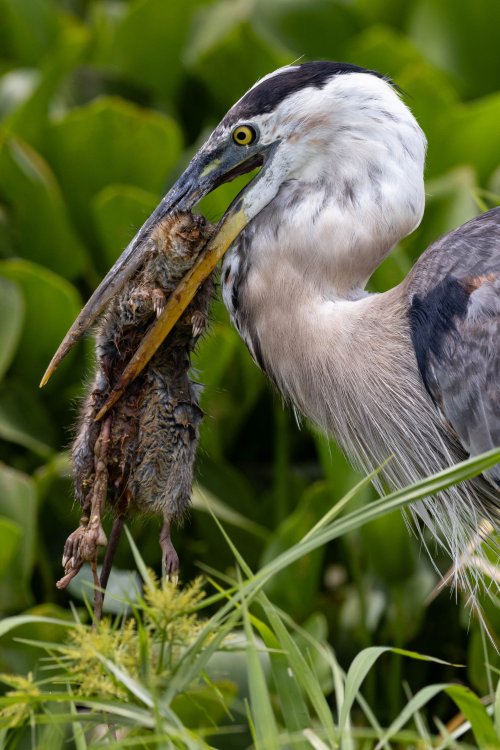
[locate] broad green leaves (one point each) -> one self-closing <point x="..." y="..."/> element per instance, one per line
<point x="110" y="206"/>
<point x="36" y="207"/>
<point x="460" y="37"/>
<point x="11" y="321"/>
<point x="32" y="29"/>
<point x="214" y="52"/>
<point x="110" y="141"/>
<point x="51" y="305"/>
<point x="144" y="42"/>
<point x="18" y="508"/>
<point x="25" y="420"/>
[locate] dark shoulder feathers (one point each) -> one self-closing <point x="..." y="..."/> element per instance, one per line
<point x="434" y="316"/>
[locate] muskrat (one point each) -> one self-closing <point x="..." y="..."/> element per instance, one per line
<point x="140" y="457"/>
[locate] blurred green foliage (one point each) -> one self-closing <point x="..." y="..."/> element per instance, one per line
<point x="102" y="103"/>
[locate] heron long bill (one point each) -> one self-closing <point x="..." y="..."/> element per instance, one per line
<point x="220" y="159"/>
<point x="228" y="229"/>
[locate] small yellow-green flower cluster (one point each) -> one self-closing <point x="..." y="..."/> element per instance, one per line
<point x="100" y="662"/>
<point x="17" y="704"/>
<point x="167" y="618"/>
<point x="169" y="611"/>
<point x="85" y="654"/>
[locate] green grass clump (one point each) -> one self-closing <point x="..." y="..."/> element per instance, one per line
<point x="183" y="669"/>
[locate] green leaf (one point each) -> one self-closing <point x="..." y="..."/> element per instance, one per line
<point x="33" y="28"/>
<point x="194" y="706"/>
<point x="149" y="59"/>
<point x="300" y="667"/>
<point x="129" y="683"/>
<point x="431" y="97"/>
<point x="203" y="500"/>
<point x="451" y="40"/>
<point x="474" y="711"/>
<point x="312" y="639"/>
<point x="51" y="737"/>
<point x="10" y="537"/>
<point x="51" y="305"/>
<point x="141" y="565"/>
<point x="385" y="49"/>
<point x="481" y="660"/>
<point x="42" y="229"/>
<point x="26" y="637"/>
<point x="18" y="503"/>
<point x="313" y="28"/>
<point x="395" y="562"/>
<point x="358" y="670"/>
<point x="227" y="485"/>
<point x="122" y="590"/>
<point x="78" y="731"/>
<point x="301" y="671"/>
<point x="221" y="31"/>
<point x="213" y="24"/>
<point x="233" y="385"/>
<point x="11" y="321"/>
<point x="57" y="469"/>
<point x="470" y="136"/>
<point x="16" y="87"/>
<point x="356" y="519"/>
<point x="119" y="211"/>
<point x="25" y="420"/>
<point x="28" y="120"/>
<point x="497" y="709"/>
<point x="11" y="623"/>
<point x="138" y="146"/>
<point x="450" y="203"/>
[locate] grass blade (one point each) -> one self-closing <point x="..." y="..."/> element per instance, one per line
<point x="141" y="565"/>
<point x="266" y="730"/>
<point x="78" y="733"/>
<point x="128" y="682"/>
<point x="400" y="498"/>
<point x="360" y="667"/>
<point x="293" y="706"/>
<point x="420" y="699"/>
<point x="474" y="711"/>
<point x="358" y="670"/>
<point x="301" y="670"/>
<point x="496" y="713"/>
<point x="15" y="622"/>
<point x="202" y="499"/>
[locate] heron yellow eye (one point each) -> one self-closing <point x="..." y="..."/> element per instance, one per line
<point x="244" y="135"/>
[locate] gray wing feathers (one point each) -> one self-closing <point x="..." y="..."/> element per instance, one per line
<point x="463" y="369"/>
<point x="466" y="383"/>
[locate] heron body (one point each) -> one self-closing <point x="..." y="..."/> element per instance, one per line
<point x="412" y="373"/>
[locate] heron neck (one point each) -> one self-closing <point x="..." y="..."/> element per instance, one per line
<point x="296" y="278"/>
<point x="312" y="345"/>
<point x="335" y="232"/>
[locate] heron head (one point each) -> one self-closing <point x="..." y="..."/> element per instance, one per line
<point x="293" y="124"/>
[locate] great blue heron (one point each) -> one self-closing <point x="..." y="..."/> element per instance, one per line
<point x="413" y="372"/>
